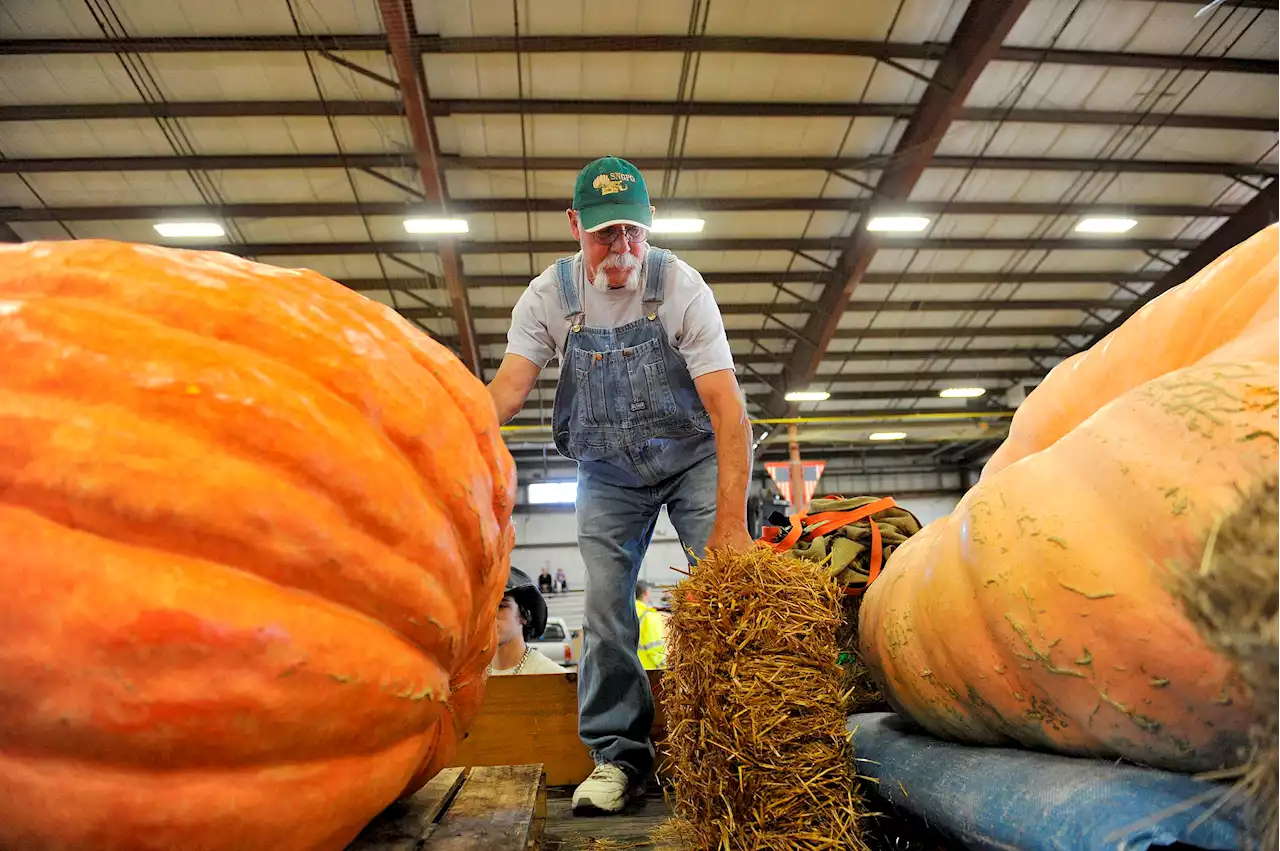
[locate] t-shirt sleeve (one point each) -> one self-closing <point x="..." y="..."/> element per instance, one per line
<point x="701" y="341"/>
<point x="529" y="336"/>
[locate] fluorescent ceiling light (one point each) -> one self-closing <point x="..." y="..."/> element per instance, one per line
<point x="552" y="493"/>
<point x="1105" y="224"/>
<point x="899" y="224"/>
<point x="435" y="225"/>
<point x="184" y="230"/>
<point x="807" y="396"/>
<point x="963" y="392"/>
<point x="677" y="226"/>
<point x="888" y="435"/>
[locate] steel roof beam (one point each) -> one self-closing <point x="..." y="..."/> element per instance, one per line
<point x="756" y="359"/>
<point x="866" y="418"/>
<point x="721" y="109"/>
<point x="794" y="277"/>
<point x="930" y="375"/>
<point x="402" y="33"/>
<point x="909" y="333"/>
<point x="782" y="46"/>
<point x="974" y="44"/>
<point x="294" y="249"/>
<point x="236" y="162"/>
<point x="1258" y="213"/>
<point x="869" y="306"/>
<point x="556" y="205"/>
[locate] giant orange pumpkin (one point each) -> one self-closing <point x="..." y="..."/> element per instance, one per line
<point x="255" y="528"/>
<point x="1038" y="613"/>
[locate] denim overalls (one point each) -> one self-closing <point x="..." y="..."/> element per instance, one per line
<point x="625" y="405"/>
<point x="627" y="410"/>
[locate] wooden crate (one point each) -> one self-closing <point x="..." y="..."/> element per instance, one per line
<point x="534" y="718"/>
<point x="489" y="808"/>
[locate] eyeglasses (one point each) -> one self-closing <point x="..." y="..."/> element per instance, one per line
<point x="632" y="233"/>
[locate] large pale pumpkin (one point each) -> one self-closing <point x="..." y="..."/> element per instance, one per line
<point x="255" y="528"/>
<point x="1037" y="613"/>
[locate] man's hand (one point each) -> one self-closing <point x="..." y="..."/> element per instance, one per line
<point x="730" y="537"/>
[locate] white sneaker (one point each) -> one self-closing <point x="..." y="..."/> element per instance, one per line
<point x="605" y="792"/>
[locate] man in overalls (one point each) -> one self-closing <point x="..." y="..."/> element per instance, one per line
<point x="649" y="406"/>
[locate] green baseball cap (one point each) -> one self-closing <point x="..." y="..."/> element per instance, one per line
<point x="611" y="191"/>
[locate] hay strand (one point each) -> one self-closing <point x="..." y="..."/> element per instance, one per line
<point x="1233" y="600"/>
<point x="756" y="730"/>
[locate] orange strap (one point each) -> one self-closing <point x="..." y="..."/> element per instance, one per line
<point x="793" y="534"/>
<point x="829" y="521"/>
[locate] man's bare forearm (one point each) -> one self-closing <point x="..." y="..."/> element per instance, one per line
<point x="510" y="387"/>
<point x="733" y="457"/>
<point x="507" y="406"/>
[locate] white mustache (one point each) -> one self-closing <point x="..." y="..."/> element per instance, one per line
<point x="618" y="261"/>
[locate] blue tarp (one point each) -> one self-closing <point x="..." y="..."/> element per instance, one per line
<point x="999" y="798"/>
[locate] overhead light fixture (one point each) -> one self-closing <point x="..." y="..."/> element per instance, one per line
<point x="430" y="226"/>
<point x="963" y="392"/>
<point x="189" y="230"/>
<point x="887" y="435"/>
<point x="677" y="226"/>
<point x="1105" y="224"/>
<point x="898" y="224"/>
<point x="807" y="396"/>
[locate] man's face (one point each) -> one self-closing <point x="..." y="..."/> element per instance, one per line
<point x="510" y="626"/>
<point x="613" y="255"/>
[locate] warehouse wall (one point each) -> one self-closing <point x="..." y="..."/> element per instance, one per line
<point x="548" y="536"/>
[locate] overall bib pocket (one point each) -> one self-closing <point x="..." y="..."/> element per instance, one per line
<point x="624" y="387"/>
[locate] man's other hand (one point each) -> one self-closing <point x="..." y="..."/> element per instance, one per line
<point x="732" y="537"/>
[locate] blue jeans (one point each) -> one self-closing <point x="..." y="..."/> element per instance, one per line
<point x="615" y="525"/>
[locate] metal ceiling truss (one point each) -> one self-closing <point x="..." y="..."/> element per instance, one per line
<point x="245" y="162"/>
<point x="757" y="359"/>
<point x="760" y="277"/>
<point x="402" y="34"/>
<point x="1258" y="213"/>
<point x="560" y="247"/>
<point x="430" y="44"/>
<point x="975" y="43"/>
<point x="306" y="209"/>
<point x="914" y="332"/>
<point x="870" y="306"/>
<point x="722" y="109"/>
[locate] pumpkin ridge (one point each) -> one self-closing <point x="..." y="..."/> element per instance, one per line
<point x="150" y="640"/>
<point x="53" y="329"/>
<point x="441" y="603"/>
<point x="307" y="344"/>
<point x="268" y="438"/>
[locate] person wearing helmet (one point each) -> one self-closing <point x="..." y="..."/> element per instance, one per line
<point x="522" y="617"/>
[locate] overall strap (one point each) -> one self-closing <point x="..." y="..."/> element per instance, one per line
<point x="656" y="262"/>
<point x="569" y="300"/>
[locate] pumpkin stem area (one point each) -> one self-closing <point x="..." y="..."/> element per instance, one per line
<point x="1232" y="599"/>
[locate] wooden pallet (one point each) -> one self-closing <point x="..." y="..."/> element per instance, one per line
<point x="497" y="808"/>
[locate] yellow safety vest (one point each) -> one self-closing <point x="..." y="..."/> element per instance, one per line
<point x="653" y="641"/>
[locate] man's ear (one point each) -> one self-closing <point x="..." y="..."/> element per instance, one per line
<point x="573" y="225"/>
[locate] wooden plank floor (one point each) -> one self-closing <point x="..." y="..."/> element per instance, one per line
<point x="632" y="830"/>
<point x="487" y="808"/>
<point x="629" y="831"/>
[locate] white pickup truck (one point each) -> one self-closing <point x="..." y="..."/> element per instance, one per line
<point x="555" y="643"/>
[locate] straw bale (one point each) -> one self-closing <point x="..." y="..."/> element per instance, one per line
<point x="1233" y="600"/>
<point x="758" y="751"/>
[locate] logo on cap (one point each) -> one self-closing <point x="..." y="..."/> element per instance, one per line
<point x="612" y="183"/>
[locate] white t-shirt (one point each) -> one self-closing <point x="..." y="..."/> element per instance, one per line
<point x="534" y="663"/>
<point x="688" y="313"/>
